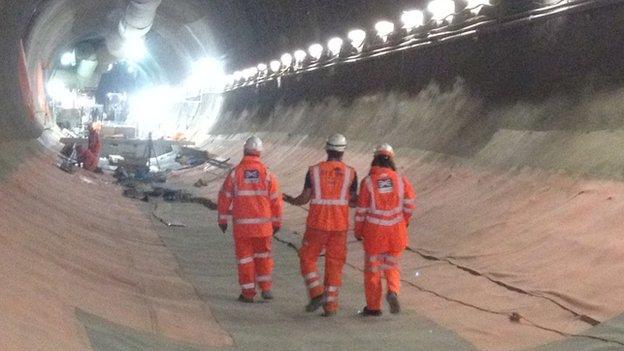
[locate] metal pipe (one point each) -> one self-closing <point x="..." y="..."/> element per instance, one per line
<point x="136" y="23"/>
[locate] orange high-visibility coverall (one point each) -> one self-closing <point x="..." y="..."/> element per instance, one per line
<point x="327" y="224"/>
<point x="386" y="202"/>
<point x="250" y="196"/>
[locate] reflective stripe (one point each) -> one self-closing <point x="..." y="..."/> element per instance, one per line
<point x="263" y="278"/>
<point x="373" y="258"/>
<point x="385" y="222"/>
<point x="391" y="212"/>
<point x="408" y="210"/>
<point x="253" y="193"/>
<point x="227" y="194"/>
<point x="248" y="286"/>
<point x="312" y="275"/>
<point x="225" y="217"/>
<point x="245" y="260"/>
<point x="409" y="201"/>
<point x="390" y="259"/>
<point x="360" y="218"/>
<point x="345" y="185"/>
<point x="369" y="186"/>
<point x="276" y="219"/>
<point x="275" y="196"/>
<point x="361" y="210"/>
<point x="314" y="284"/>
<point x="263" y="255"/>
<point x="316" y="179"/>
<point x="318" y="198"/>
<point x="329" y="202"/>
<point x="331" y="289"/>
<point x="253" y="220"/>
<point x="331" y="299"/>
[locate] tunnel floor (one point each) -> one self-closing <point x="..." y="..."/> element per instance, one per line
<point x="95" y="270"/>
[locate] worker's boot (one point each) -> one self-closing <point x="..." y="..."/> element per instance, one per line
<point x="329" y="313"/>
<point x="244" y="299"/>
<point x="370" y="313"/>
<point x="315" y="303"/>
<point x="393" y="301"/>
<point x="267" y="295"/>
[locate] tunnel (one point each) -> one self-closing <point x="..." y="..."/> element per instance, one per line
<point x="506" y="119"/>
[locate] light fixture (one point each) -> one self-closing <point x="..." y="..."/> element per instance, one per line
<point x="357" y="38"/>
<point x="384" y="29"/>
<point x="475" y="6"/>
<point x="316" y="51"/>
<point x="250" y="73"/>
<point x="334" y="45"/>
<point x="68" y="58"/>
<point x="412" y="19"/>
<point x="134" y="49"/>
<point x="300" y="56"/>
<point x="262" y="68"/>
<point x="287" y="60"/>
<point x="275" y="66"/>
<point x="441" y="10"/>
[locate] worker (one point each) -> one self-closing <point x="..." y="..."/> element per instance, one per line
<point x="385" y="204"/>
<point x="330" y="188"/>
<point x="90" y="157"/>
<point x="250" y="196"/>
<point x="94" y="140"/>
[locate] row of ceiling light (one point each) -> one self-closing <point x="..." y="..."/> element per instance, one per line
<point x="438" y="12"/>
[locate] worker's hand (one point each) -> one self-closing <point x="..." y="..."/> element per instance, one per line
<point x="276" y="229"/>
<point x="358" y="236"/>
<point x="288" y="198"/>
<point x="223" y="227"/>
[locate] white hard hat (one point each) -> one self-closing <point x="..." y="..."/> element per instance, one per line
<point x="384" y="149"/>
<point x="253" y="145"/>
<point x="336" y="142"/>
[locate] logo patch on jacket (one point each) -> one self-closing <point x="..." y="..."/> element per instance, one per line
<point x="252" y="176"/>
<point x="385" y="185"/>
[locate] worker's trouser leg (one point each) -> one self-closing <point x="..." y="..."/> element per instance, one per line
<point x="335" y="257"/>
<point x="263" y="260"/>
<point x="374" y="266"/>
<point x="255" y="264"/>
<point x="313" y="244"/>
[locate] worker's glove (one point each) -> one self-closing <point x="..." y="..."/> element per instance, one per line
<point x="223" y="227"/>
<point x="276" y="229"/>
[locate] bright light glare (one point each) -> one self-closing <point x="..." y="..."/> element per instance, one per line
<point x="238" y="75"/>
<point x="275" y="66"/>
<point x="250" y="73"/>
<point x="476" y="5"/>
<point x="60" y="93"/>
<point x="357" y="38"/>
<point x="412" y="19"/>
<point x="316" y="51"/>
<point x="300" y="55"/>
<point x="287" y="60"/>
<point x="262" y="68"/>
<point x="153" y="110"/>
<point x="134" y="49"/>
<point x="441" y="10"/>
<point x="68" y="59"/>
<point x="207" y="75"/>
<point x="335" y="46"/>
<point x="384" y="29"/>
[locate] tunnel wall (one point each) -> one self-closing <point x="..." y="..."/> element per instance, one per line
<point x="547" y="94"/>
